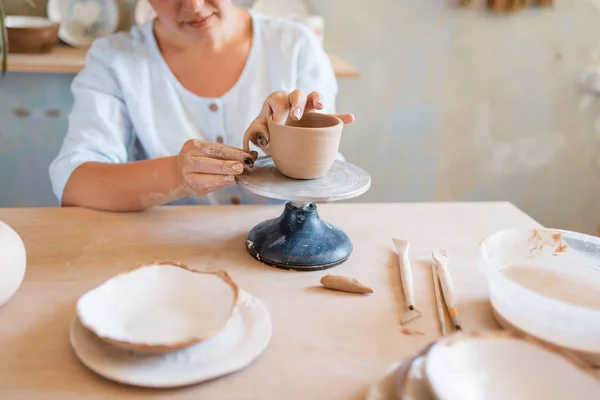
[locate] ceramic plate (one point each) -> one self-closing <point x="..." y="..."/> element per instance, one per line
<point x="245" y="337"/>
<point x="83" y="21"/>
<point x="143" y="12"/>
<point x="404" y="380"/>
<point x="416" y="386"/>
<point x="383" y="389"/>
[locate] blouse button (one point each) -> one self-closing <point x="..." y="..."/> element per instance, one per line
<point x="213" y="107"/>
<point x="235" y="200"/>
<point x="219" y="139"/>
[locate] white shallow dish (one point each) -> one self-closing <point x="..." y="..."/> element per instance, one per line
<point x="83" y="21"/>
<point x="500" y="367"/>
<point x="553" y="292"/>
<point x="245" y="337"/>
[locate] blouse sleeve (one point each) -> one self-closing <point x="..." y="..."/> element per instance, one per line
<point x="99" y="128"/>
<point x="315" y="72"/>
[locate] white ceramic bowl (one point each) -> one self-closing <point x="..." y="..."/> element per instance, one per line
<point x="83" y="21"/>
<point x="497" y="366"/>
<point x="159" y="308"/>
<point x="546" y="283"/>
<point x="13" y="262"/>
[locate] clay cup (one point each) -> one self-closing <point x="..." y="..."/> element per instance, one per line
<point x="303" y="149"/>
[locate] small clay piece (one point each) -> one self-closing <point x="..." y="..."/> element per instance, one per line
<point x="545" y="3"/>
<point x="407" y="331"/>
<point x="345" y="284"/>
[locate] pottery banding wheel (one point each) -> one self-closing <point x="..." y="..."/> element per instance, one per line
<point x="298" y="239"/>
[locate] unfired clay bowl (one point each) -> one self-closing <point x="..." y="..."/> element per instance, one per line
<point x="159" y="308"/>
<point x="304" y="149"/>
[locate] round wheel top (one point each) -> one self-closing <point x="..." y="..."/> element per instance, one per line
<point x="342" y="181"/>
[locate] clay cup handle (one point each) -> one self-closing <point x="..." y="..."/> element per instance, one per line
<point x="258" y="134"/>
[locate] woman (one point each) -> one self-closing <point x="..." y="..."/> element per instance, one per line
<point x="160" y="111"/>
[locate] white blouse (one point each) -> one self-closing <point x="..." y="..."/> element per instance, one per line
<point x="128" y="105"/>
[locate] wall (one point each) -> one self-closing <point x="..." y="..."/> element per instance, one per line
<point x="452" y="105"/>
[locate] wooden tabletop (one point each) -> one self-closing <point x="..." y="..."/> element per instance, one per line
<point x="325" y="344"/>
<point x="66" y="59"/>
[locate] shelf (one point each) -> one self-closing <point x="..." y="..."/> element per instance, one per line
<point x="342" y="68"/>
<point x="69" y="60"/>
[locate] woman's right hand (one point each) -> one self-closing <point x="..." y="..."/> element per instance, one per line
<point x="203" y="167"/>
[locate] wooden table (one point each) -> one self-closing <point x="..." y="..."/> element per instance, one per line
<point x="325" y="344"/>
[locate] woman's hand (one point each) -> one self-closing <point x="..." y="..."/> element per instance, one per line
<point x="283" y="105"/>
<point x="203" y="167"/>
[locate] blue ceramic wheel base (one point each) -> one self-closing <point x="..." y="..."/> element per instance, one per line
<point x="299" y="240"/>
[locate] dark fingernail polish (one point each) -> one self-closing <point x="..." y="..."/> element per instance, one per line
<point x="248" y="160"/>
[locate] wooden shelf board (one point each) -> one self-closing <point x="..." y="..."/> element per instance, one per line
<point x="69" y="60"/>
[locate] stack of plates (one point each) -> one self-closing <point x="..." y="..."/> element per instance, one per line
<point x="488" y="366"/>
<point x="82" y="21"/>
<point x="165" y="325"/>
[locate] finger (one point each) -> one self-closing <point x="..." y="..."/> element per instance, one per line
<point x="221" y="152"/>
<point x="297" y="101"/>
<point x="207" y="183"/>
<point x="346" y="118"/>
<point x="206" y="165"/>
<point x="280" y="106"/>
<point x="314" y="101"/>
<point x="258" y="133"/>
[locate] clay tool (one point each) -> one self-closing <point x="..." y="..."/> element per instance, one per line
<point x="438" y="301"/>
<point x="402" y="246"/>
<point x="440" y="259"/>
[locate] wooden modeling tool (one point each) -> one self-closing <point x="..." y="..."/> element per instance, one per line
<point x="440" y="259"/>
<point x="438" y="301"/>
<point x="412" y="313"/>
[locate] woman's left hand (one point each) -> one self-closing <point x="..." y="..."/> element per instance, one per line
<point x="282" y="105"/>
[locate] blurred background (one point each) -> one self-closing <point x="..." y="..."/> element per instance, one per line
<point x="452" y="104"/>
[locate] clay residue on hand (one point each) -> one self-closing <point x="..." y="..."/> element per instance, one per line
<point x="155" y="198"/>
<point x="541" y="238"/>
